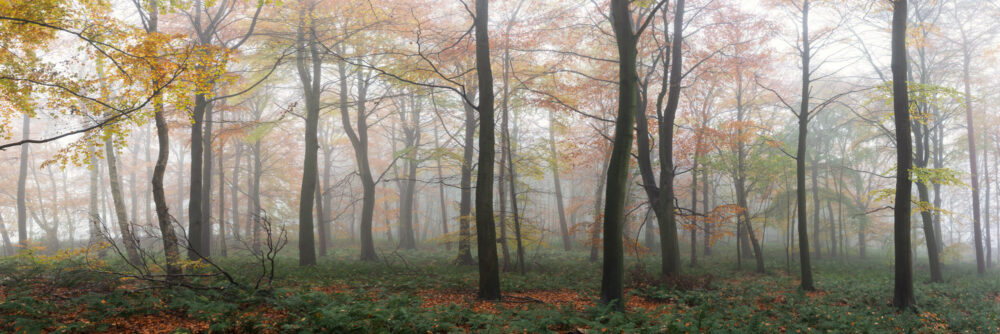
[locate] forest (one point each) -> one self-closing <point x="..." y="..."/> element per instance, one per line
<point x="504" y="166"/>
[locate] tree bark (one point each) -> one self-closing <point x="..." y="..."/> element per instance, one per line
<point x="800" y="158"/>
<point x="359" y="140"/>
<point x="465" y="202"/>
<point x="489" y="271"/>
<point x="441" y="198"/>
<point x="222" y="203"/>
<point x="613" y="269"/>
<point x="554" y="165"/>
<point x="903" y="297"/>
<point x="307" y="55"/>
<point x="973" y="165"/>
<point x="22" y="178"/>
<point x="129" y="240"/>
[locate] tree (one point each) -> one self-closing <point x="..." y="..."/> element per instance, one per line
<point x="489" y="269"/>
<point x="307" y="54"/>
<point x="613" y="268"/>
<point x="903" y="297"/>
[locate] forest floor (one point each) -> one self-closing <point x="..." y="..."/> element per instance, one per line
<point x="423" y="291"/>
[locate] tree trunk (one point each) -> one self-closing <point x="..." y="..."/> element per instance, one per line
<point x="554" y="165"/>
<point x="922" y="155"/>
<point x="170" y="248"/>
<point x="977" y="231"/>
<point x="800" y="158"/>
<point x="222" y="203"/>
<point x="93" y="212"/>
<point x="707" y="235"/>
<point x="235" y="189"/>
<point x="669" y="244"/>
<point x="595" y="230"/>
<point x="22" y="178"/>
<point x="308" y="54"/>
<point x="406" y="200"/>
<point x="441" y="198"/>
<point x="206" y="186"/>
<point x="489" y="273"/>
<point x="465" y="203"/>
<point x="613" y="269"/>
<point x="502" y="193"/>
<point x="986" y="207"/>
<point x="130" y="242"/>
<point x="903" y="297"/>
<point x="359" y="140"/>
<point x="197" y="248"/>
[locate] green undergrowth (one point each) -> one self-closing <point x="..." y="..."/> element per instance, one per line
<point x="342" y="295"/>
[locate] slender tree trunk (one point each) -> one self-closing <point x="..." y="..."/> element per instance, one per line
<point x="502" y="193"/>
<point x="22" y="178"/>
<point x="222" y="203"/>
<point x="465" y="202"/>
<point x="441" y="198"/>
<point x="206" y="186"/>
<point x="694" y="203"/>
<point x="903" y="297"/>
<point x="489" y="273"/>
<point x="93" y="212"/>
<point x="707" y="235"/>
<point x="800" y="157"/>
<point x="669" y="244"/>
<point x="554" y="165"/>
<point x="235" y="189"/>
<point x="129" y="240"/>
<point x="306" y="55"/>
<point x="257" y="211"/>
<point x="986" y="207"/>
<point x="407" y="219"/>
<point x="196" y="246"/>
<point x="171" y="250"/>
<point x="8" y="247"/>
<point x="977" y="231"/>
<point x="933" y="248"/>
<point x="595" y="230"/>
<point x="816" y="204"/>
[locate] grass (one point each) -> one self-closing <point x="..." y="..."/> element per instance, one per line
<point x="423" y="292"/>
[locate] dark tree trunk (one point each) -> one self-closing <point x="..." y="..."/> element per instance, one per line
<point x="359" y="140"/>
<point x="922" y="155"/>
<point x="489" y="271"/>
<point x="411" y="131"/>
<point x="800" y="158"/>
<point x="613" y="269"/>
<point x="903" y="297"/>
<point x="307" y="55"/>
<point x="196" y="246"/>
<point x="170" y="248"/>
